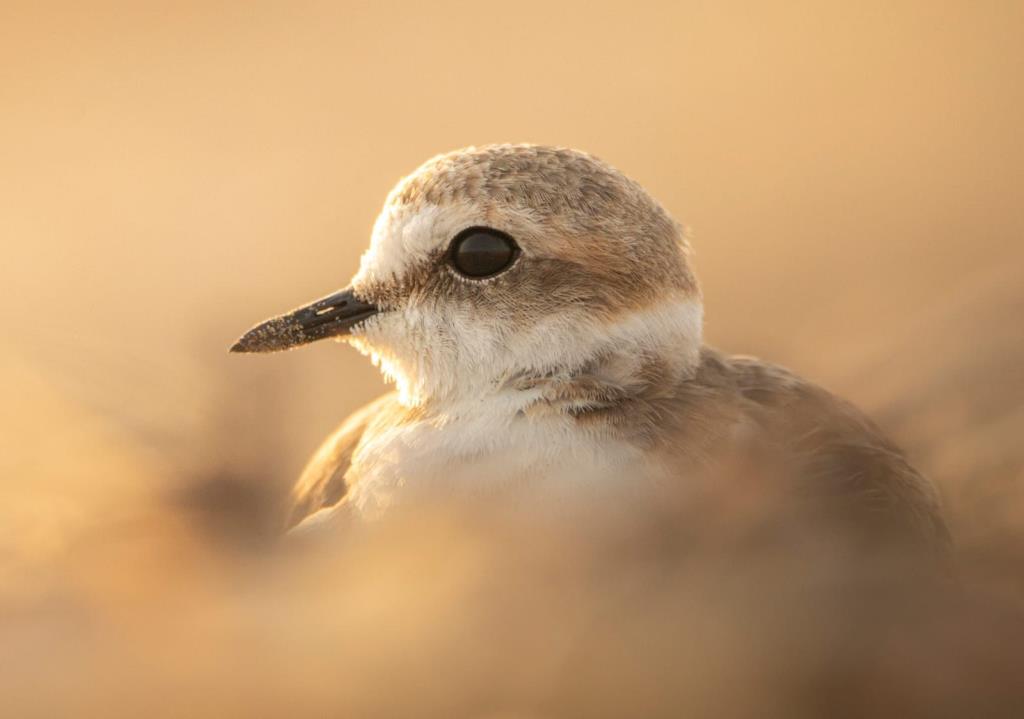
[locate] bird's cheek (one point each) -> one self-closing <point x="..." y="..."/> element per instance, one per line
<point x="373" y="334"/>
<point x="397" y="330"/>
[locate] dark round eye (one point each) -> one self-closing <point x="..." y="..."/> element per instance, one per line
<point x="482" y="252"/>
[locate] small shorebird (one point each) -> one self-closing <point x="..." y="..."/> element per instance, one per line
<point x="539" y="315"/>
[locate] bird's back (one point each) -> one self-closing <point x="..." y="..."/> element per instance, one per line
<point x="815" y="445"/>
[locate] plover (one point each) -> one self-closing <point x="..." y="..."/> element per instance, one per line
<point x="539" y="315"/>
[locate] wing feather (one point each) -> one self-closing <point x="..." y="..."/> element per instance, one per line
<point x="324" y="482"/>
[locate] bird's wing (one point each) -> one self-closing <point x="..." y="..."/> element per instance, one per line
<point x="839" y="454"/>
<point x="323" y="482"/>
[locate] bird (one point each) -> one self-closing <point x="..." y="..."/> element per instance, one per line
<point x="540" y="318"/>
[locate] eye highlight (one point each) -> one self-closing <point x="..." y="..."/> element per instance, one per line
<point x="480" y="252"/>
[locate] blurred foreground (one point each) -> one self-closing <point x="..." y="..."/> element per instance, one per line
<point x="728" y="605"/>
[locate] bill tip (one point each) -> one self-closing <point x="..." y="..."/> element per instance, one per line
<point x="243" y="345"/>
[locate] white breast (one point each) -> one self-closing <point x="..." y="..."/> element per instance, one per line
<point x="486" y="447"/>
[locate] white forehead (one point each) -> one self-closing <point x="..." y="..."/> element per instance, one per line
<point x="407" y="234"/>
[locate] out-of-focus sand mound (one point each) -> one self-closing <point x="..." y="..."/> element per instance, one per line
<point x="950" y="387"/>
<point x="719" y="609"/>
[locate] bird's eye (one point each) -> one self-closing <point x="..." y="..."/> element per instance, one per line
<point x="482" y="252"/>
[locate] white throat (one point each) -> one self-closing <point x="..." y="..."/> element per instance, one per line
<point x="444" y="360"/>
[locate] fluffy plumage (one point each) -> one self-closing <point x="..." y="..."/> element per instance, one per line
<point x="581" y="368"/>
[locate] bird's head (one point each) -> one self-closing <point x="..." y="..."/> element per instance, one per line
<point x="505" y="264"/>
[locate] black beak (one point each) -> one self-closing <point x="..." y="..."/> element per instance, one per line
<point x="332" y="316"/>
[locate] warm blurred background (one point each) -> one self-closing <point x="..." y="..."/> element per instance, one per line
<point x="171" y="173"/>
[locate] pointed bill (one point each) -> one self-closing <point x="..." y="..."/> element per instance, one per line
<point x="331" y="316"/>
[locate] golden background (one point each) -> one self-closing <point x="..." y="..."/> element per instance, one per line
<point x="170" y="173"/>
